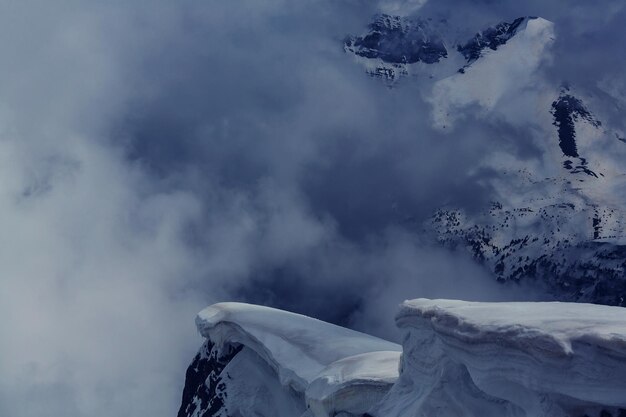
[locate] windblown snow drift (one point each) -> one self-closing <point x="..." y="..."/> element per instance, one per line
<point x="509" y="359"/>
<point x="259" y="361"/>
<point x="458" y="359"/>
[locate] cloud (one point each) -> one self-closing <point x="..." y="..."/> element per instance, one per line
<point x="400" y="7"/>
<point x="154" y="160"/>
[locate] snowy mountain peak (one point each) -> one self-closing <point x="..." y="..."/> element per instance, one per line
<point x="398" y="40"/>
<point x="564" y="226"/>
<point x="393" y="43"/>
<point x="397" y="46"/>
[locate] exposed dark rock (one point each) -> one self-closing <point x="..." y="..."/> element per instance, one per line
<point x="566" y="110"/>
<point x="204" y="390"/>
<point x="398" y="40"/>
<point x="491" y="38"/>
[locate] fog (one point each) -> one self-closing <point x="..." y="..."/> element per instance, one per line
<point x="156" y="157"/>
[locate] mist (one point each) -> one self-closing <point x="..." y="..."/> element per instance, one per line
<point x="159" y="157"/>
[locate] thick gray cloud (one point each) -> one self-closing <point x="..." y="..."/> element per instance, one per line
<point x="157" y="157"/>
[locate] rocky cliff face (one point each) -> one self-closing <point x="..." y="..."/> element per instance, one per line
<point x="396" y="46"/>
<point x="204" y="393"/>
<point x="392" y="44"/>
<point x="509" y="360"/>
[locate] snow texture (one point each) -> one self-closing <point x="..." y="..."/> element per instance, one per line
<point x="459" y="359"/>
<point x="292" y="364"/>
<point x="355" y="383"/>
<point x="509" y="359"/>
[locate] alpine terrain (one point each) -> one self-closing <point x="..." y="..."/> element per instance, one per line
<point x="457" y="359"/>
<point x="556" y="220"/>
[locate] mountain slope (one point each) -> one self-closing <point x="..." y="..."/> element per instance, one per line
<point x="393" y="44"/>
<point x="556" y="219"/>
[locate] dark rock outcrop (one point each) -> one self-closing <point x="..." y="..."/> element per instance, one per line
<point x="398" y="40"/>
<point x="492" y="38"/>
<point x="204" y="394"/>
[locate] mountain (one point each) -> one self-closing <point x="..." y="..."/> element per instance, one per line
<point x="556" y="219"/>
<point x="458" y="359"/>
<point x="491" y="38"/>
<point x="259" y="361"/>
<point x="394" y="44"/>
<point x="397" y="46"/>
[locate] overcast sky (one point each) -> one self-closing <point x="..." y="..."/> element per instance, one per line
<point x="156" y="157"/>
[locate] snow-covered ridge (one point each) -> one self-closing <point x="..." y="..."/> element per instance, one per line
<point x="458" y="359"/>
<point x="299" y="348"/>
<point x="509" y="359"/>
<point x="298" y="363"/>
